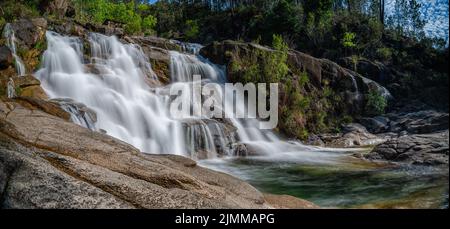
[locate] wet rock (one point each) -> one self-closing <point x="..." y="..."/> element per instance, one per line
<point x="315" y="140"/>
<point x="59" y="8"/>
<point x="6" y="57"/>
<point x="379" y="124"/>
<point x="373" y="70"/>
<point x="288" y="202"/>
<point x="51" y="163"/>
<point x="353" y="135"/>
<point x="49" y="107"/>
<point x="413" y="122"/>
<point x="34" y="92"/>
<point x="30" y="32"/>
<point x="26" y="81"/>
<point x="423" y="149"/>
<point x="154" y="42"/>
<point x="80" y="113"/>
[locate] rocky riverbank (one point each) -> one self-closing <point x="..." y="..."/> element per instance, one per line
<point x="48" y="162"/>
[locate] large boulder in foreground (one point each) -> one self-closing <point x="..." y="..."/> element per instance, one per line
<point x="47" y="162"/>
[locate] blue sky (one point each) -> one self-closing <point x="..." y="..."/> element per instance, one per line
<point x="435" y="12"/>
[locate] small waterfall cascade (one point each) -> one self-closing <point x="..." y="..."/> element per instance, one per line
<point x="11" y="89"/>
<point x="10" y="37"/>
<point x="108" y="90"/>
<point x="79" y="113"/>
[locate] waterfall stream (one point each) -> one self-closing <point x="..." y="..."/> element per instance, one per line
<point x="10" y="37"/>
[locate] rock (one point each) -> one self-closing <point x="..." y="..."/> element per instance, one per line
<point x="413" y="122"/>
<point x="376" y="125"/>
<point x="49" y="107"/>
<point x="353" y="135"/>
<point x="6" y="57"/>
<point x="30" y="32"/>
<point x="245" y="150"/>
<point x="154" y="42"/>
<point x="373" y="70"/>
<point x="26" y="81"/>
<point x="47" y="162"/>
<point x="68" y="27"/>
<point x="288" y="202"/>
<point x="58" y="8"/>
<point x="422" y="149"/>
<point x="80" y="113"/>
<point x="315" y="140"/>
<point x="34" y="92"/>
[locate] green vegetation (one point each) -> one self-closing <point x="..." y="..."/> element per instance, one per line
<point x="133" y="15"/>
<point x="261" y="66"/>
<point x="376" y="104"/>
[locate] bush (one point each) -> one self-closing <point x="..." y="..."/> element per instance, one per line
<point x="348" y="41"/>
<point x="375" y="103"/>
<point x="98" y="11"/>
<point x="384" y="54"/>
<point x="191" y="30"/>
<point x="148" y="25"/>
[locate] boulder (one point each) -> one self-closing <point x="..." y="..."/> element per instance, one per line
<point x="373" y="70"/>
<point x="47" y="162"/>
<point x="376" y="125"/>
<point x="421" y="149"/>
<point x="154" y="42"/>
<point x="30" y="31"/>
<point x="288" y="202"/>
<point x="412" y="122"/>
<point x="6" y="57"/>
<point x="34" y="92"/>
<point x="59" y="8"/>
<point x="353" y="135"/>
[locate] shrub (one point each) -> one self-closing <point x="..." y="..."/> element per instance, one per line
<point x="375" y="103"/>
<point x="384" y="54"/>
<point x="191" y="29"/>
<point x="348" y="41"/>
<point x="148" y="25"/>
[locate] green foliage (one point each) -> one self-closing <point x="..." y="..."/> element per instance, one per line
<point x="375" y="103"/>
<point x="348" y="41"/>
<point x="149" y="24"/>
<point x="125" y="12"/>
<point x="262" y="65"/>
<point x="12" y="10"/>
<point x="2" y="24"/>
<point x="18" y="90"/>
<point x="384" y="53"/>
<point x="191" y="29"/>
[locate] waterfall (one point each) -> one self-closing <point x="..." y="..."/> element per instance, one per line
<point x="10" y="37"/>
<point x="108" y="90"/>
<point x="125" y="105"/>
<point x="11" y="89"/>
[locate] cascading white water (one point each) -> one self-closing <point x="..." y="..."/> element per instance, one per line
<point x="125" y="106"/>
<point x="10" y="37"/>
<point x="11" y="89"/>
<point x="113" y="82"/>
